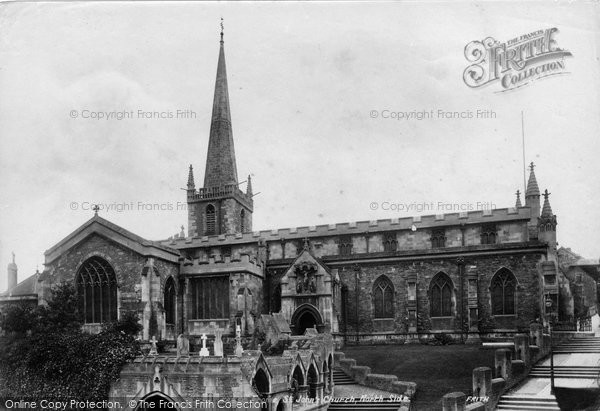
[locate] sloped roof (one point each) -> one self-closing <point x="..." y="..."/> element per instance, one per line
<point x="102" y="227"/>
<point x="25" y="287"/>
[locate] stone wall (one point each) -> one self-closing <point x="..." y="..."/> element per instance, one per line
<point x="363" y="376"/>
<point x="483" y="268"/>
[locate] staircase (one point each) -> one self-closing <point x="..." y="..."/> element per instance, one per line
<point x="579" y="345"/>
<point x="574" y="371"/>
<point x="521" y="403"/>
<point x="341" y="378"/>
<point x="357" y="405"/>
<point x="584" y="345"/>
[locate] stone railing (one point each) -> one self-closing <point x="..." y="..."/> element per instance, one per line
<point x="511" y="366"/>
<point x="363" y="376"/>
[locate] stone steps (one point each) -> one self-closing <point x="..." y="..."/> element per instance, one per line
<point x="341" y="378"/>
<point x="516" y="403"/>
<point x="365" y="405"/>
<point x="544" y="371"/>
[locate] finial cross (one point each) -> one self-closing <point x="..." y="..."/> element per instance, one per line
<point x="518" y="193"/>
<point x="531" y="166"/>
<point x="221" y="28"/>
<point x="96" y="208"/>
<point x="546" y="194"/>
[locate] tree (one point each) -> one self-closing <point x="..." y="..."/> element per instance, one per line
<point x="47" y="355"/>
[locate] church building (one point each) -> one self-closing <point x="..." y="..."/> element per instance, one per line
<point x="465" y="274"/>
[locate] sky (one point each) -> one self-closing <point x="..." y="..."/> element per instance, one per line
<point x="312" y="90"/>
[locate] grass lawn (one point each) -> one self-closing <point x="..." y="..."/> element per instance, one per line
<point x="437" y="370"/>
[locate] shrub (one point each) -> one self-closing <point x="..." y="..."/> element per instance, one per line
<point x="54" y="359"/>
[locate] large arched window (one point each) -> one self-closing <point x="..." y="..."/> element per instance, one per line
<point x="383" y="298"/>
<point x="211" y="219"/>
<point x="97" y="291"/>
<point x="169" y="301"/>
<point x="502" y="289"/>
<point x="441" y="296"/>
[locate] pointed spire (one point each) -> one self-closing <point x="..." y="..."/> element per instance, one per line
<point x="518" y="203"/>
<point x="546" y="209"/>
<point x="221" y="168"/>
<point x="532" y="185"/>
<point x="191" y="185"/>
<point x="249" y="186"/>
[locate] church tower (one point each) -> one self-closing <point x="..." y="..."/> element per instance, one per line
<point x="219" y="207"/>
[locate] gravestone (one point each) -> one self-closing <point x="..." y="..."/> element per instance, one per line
<point x="238" y="341"/>
<point x="183" y="346"/>
<point x="153" y="348"/>
<point x="204" y="351"/>
<point x="218" y="346"/>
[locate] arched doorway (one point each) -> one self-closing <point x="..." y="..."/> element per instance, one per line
<point x="325" y="376"/>
<point x="261" y="385"/>
<point x="312" y="380"/>
<point x="296" y="382"/>
<point x="306" y="316"/>
<point x="156" y="401"/>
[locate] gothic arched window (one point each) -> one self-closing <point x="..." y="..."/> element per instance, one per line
<point x="502" y="289"/>
<point x="97" y="290"/>
<point x="211" y="219"/>
<point x="489" y="234"/>
<point x="441" y="296"/>
<point x="390" y="243"/>
<point x="383" y="298"/>
<point x="438" y="238"/>
<point x="170" y="301"/>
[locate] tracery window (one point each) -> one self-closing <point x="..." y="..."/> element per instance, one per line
<point x="502" y="289"/>
<point x="489" y="234"/>
<point x="438" y="238"/>
<point x="390" y="243"/>
<point x="210" y="297"/>
<point x="170" y="301"/>
<point x="383" y="298"/>
<point x="441" y="290"/>
<point x="97" y="290"/>
<point x="345" y="246"/>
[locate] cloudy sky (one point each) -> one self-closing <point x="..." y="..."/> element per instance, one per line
<point x="309" y="85"/>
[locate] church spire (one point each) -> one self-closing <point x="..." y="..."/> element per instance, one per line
<point x="546" y="209"/>
<point x="221" y="167"/>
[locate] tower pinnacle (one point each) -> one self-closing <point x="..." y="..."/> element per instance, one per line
<point x="190" y="184"/>
<point x="546" y="209"/>
<point x="518" y="203"/>
<point x="532" y="185"/>
<point x="249" y="186"/>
